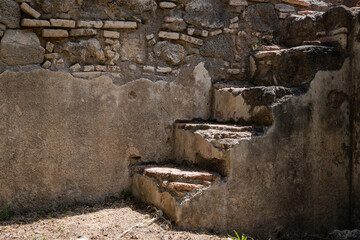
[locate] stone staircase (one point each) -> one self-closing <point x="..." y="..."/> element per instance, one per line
<point x="201" y="161"/>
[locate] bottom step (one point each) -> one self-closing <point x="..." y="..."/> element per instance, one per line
<point x="168" y="186"/>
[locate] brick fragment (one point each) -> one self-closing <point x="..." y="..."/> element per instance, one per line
<point x="167" y="5"/>
<point x="55" y="33"/>
<point x="49" y="47"/>
<point x="190" y="39"/>
<point x="26" y="22"/>
<point x="111" y="34"/>
<point x="29" y="10"/>
<point x="83" y="32"/>
<point x="89" y="24"/>
<point x="169" y="35"/>
<point x="119" y="25"/>
<point x="62" y="23"/>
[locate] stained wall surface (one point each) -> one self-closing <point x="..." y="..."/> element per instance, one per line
<point x="90" y="88"/>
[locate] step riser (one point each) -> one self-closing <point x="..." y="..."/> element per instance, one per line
<point x="193" y="149"/>
<point x="233" y="108"/>
<point x="146" y="190"/>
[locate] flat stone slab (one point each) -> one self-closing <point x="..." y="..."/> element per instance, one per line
<point x="174" y="173"/>
<point x="21" y="47"/>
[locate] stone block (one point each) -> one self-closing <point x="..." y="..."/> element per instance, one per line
<point x="87" y="75"/>
<point x="55" y="33"/>
<point x="169" y="35"/>
<point x="49" y="47"/>
<point x="167" y="5"/>
<point x="21" y="47"/>
<point x="149" y="68"/>
<point x="89" y="68"/>
<point x="215" y="33"/>
<point x="119" y="25"/>
<point x="163" y="70"/>
<point x="190" y="39"/>
<point x="26" y="22"/>
<point x="29" y="10"/>
<point x="62" y="23"/>
<point x="75" y="68"/>
<point x="89" y="24"/>
<point x="101" y="68"/>
<point x="10" y="13"/>
<point x="83" y="32"/>
<point x="284" y="8"/>
<point x="47" y="64"/>
<point x="111" y="34"/>
<point x="51" y="56"/>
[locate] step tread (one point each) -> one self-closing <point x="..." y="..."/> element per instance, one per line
<point x="223" y="136"/>
<point x="177" y="180"/>
<point x="176" y="173"/>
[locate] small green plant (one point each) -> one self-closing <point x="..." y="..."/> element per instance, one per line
<point x="238" y="237"/>
<point x="6" y="214"/>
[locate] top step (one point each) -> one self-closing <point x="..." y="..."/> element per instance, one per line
<point x="293" y="67"/>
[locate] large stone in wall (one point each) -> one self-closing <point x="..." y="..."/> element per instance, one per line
<point x="21" y="47"/>
<point x="203" y="13"/>
<point x="337" y="17"/>
<point x="172" y="53"/>
<point x="85" y="51"/>
<point x="55" y="6"/>
<point x="297" y="29"/>
<point x="9" y="13"/>
<point x="221" y="46"/>
<point x="132" y="47"/>
<point x="140" y="6"/>
<point x="262" y="18"/>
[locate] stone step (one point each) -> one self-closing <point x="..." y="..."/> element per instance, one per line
<point x="293" y="67"/>
<point x="168" y="186"/>
<point x="208" y="145"/>
<point x="172" y="173"/>
<point x="222" y="136"/>
<point x="247" y="104"/>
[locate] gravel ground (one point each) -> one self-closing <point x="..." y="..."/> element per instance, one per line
<point x="99" y="221"/>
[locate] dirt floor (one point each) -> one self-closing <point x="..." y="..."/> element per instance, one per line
<point x="99" y="221"/>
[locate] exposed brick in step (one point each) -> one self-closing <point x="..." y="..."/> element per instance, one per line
<point x="178" y="181"/>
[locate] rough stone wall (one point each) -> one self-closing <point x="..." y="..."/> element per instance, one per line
<point x="89" y="88"/>
<point x="355" y="211"/>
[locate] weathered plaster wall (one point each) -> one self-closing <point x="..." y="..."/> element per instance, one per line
<point x="90" y="88"/>
<point x="65" y="140"/>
